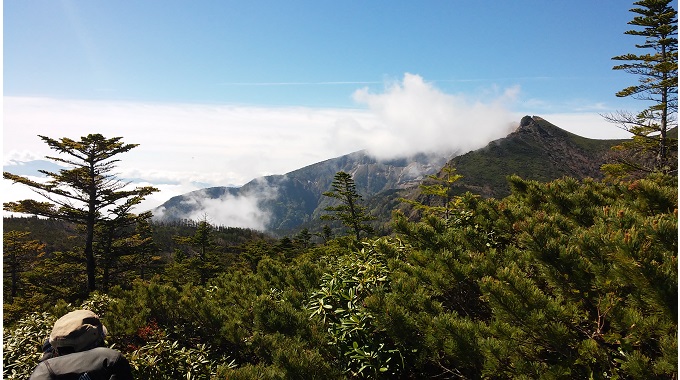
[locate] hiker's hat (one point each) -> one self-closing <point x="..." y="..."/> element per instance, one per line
<point x="79" y="329"/>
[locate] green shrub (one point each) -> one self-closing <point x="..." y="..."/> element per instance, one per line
<point x="165" y="359"/>
<point x="362" y="348"/>
<point x="22" y="345"/>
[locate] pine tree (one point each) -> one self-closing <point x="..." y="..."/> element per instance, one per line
<point x="350" y="212"/>
<point x="651" y="148"/>
<point x="303" y="239"/>
<point x="82" y="193"/>
<point x="558" y="280"/>
<point x="117" y="240"/>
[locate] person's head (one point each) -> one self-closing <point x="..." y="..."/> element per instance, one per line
<point x="77" y="331"/>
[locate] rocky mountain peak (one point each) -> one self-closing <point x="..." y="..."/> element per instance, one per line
<point x="526" y="122"/>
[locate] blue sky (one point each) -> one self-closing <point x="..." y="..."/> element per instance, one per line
<point x="221" y="92"/>
<point x="311" y="53"/>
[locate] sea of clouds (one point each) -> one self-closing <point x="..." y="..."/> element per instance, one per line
<point x="184" y="147"/>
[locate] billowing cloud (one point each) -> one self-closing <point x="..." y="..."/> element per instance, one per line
<point x="414" y="116"/>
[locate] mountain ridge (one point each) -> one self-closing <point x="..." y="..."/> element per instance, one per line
<point x="296" y="197"/>
<point x="536" y="149"/>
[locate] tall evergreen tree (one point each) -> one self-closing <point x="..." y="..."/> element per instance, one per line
<point x="651" y="148"/>
<point x="303" y="239"/>
<point x="83" y="192"/>
<point x="147" y="259"/>
<point x="350" y="211"/>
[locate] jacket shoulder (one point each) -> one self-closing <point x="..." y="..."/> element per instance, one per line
<point x="98" y="363"/>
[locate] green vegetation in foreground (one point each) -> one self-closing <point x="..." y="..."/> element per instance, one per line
<point x="564" y="279"/>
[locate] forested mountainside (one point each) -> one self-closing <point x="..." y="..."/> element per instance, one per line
<point x="62" y="236"/>
<point x="536" y="150"/>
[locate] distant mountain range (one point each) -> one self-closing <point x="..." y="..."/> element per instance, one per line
<point x="536" y="150"/>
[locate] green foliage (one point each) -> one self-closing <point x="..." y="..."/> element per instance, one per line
<point x="651" y="149"/>
<point x="566" y="279"/>
<point x="199" y="252"/>
<point x="440" y="200"/>
<point x="363" y="349"/>
<point x="22" y="344"/>
<point x="47" y="274"/>
<point x="158" y="358"/>
<point x="586" y="295"/>
<point x="85" y="193"/>
<point x="17" y="253"/>
<point x="256" y="319"/>
<point x="51" y="278"/>
<point x="23" y="341"/>
<point x="165" y="359"/>
<point x="563" y="279"/>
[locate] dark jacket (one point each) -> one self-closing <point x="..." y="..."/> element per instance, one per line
<point x="98" y="363"/>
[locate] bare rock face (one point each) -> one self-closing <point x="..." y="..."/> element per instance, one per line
<point x="526" y="122"/>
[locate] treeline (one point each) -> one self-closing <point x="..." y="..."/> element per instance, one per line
<point x="565" y="279"/>
<point x="43" y="263"/>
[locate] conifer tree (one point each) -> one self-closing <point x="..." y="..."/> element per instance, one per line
<point x="118" y="240"/>
<point x="350" y="211"/>
<point x="17" y="253"/>
<point x="558" y="280"/>
<point x="83" y="192"/>
<point x="147" y="258"/>
<point x="201" y="250"/>
<point x="440" y="200"/>
<point x="303" y="238"/>
<point x="651" y="148"/>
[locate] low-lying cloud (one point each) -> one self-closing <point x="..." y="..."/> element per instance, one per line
<point x="242" y="210"/>
<point x="228" y="210"/>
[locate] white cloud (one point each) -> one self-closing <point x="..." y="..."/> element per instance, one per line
<point x="182" y="144"/>
<point x="414" y="116"/>
<point x="229" y="210"/>
<point x="233" y="211"/>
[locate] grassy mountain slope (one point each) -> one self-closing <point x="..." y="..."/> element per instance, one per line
<point x="537" y="150"/>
